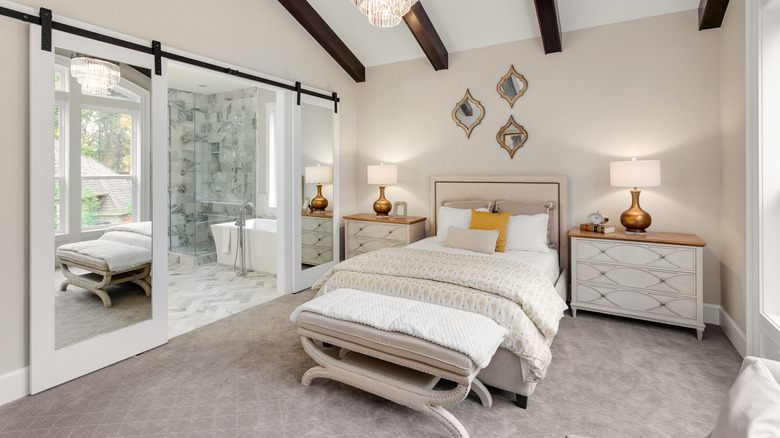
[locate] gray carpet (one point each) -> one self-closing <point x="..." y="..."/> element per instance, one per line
<point x="239" y="377"/>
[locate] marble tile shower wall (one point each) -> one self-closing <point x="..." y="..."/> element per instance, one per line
<point x="213" y="142"/>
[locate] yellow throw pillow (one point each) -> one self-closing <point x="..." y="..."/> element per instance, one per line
<point x="491" y="221"/>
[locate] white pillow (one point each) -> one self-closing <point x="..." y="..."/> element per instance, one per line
<point x="472" y="240"/>
<point x="527" y="233"/>
<point x="453" y="217"/>
<point x="752" y="407"/>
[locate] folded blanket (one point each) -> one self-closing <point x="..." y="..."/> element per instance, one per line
<point x="128" y="238"/>
<point x="118" y="256"/>
<point x="518" y="297"/>
<point x="474" y="335"/>
<point x="144" y="228"/>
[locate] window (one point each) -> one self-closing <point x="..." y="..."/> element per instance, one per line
<point x="97" y="141"/>
<point x="271" y="160"/>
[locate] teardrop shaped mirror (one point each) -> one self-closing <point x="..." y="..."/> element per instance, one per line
<point x="512" y="86"/>
<point x="512" y="137"/>
<point x="468" y="113"/>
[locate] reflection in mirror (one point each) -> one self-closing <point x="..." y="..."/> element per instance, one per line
<point x="317" y="165"/>
<point x="223" y="196"/>
<point x="511" y="137"/>
<point x="468" y="113"/>
<point x="102" y="221"/>
<point x="512" y="86"/>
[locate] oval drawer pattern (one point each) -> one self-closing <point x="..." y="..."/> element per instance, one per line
<point x="656" y="256"/>
<point x="376" y="230"/>
<point x="637" y="301"/>
<point x="358" y="245"/>
<point x="322" y="225"/>
<point x="318" y="240"/>
<point x="316" y="256"/>
<point x="662" y="281"/>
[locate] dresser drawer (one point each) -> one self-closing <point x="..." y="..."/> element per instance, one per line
<point x="315" y="256"/>
<point x="636" y="302"/>
<point x="376" y="230"/>
<point x="679" y="282"/>
<point x="317" y="240"/>
<point x="322" y="225"/>
<point x="646" y="255"/>
<point x="359" y="245"/>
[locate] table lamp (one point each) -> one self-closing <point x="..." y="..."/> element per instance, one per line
<point x="635" y="173"/>
<point x="382" y="175"/>
<point x="319" y="175"/>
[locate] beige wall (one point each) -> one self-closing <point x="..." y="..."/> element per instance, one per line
<point x="645" y="88"/>
<point x="732" y="150"/>
<point x="258" y="35"/>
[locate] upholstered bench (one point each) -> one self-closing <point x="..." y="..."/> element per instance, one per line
<point x="398" y="366"/>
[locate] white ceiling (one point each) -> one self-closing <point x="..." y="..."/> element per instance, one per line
<point x="203" y="81"/>
<point x="469" y="24"/>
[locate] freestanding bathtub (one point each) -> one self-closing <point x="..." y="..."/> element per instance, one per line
<point x="259" y="244"/>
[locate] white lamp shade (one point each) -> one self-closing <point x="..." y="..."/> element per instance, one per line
<point x="318" y="174"/>
<point x="635" y="173"/>
<point x="383" y="174"/>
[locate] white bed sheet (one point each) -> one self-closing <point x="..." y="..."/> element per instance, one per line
<point x="547" y="262"/>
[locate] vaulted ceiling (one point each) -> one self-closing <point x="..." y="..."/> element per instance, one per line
<point x="435" y="28"/>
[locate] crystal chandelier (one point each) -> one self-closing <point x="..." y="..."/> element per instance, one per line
<point x="95" y="75"/>
<point x="384" y="13"/>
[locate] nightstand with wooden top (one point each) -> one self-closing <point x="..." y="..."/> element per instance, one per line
<point x="656" y="276"/>
<point x="366" y="232"/>
<point x="316" y="238"/>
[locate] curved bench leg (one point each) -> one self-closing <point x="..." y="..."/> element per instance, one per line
<point x="64" y="285"/>
<point x="482" y="392"/>
<point x="103" y="296"/>
<point x="144" y="285"/>
<point x="415" y="397"/>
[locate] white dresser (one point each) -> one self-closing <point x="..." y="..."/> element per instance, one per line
<point x="316" y="238"/>
<point x="657" y="277"/>
<point x="365" y="232"/>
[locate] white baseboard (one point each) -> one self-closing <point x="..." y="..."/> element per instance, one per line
<point x="711" y="314"/>
<point x="14" y="385"/>
<point x="733" y="332"/>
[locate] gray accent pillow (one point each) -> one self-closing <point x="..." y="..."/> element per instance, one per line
<point x="473" y="240"/>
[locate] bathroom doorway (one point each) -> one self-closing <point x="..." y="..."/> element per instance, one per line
<point x="224" y="133"/>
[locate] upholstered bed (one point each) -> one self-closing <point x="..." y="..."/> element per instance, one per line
<point x="524" y="357"/>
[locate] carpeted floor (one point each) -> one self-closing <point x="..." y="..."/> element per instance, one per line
<point x="240" y="377"/>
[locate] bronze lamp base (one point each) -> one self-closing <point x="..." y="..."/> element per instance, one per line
<point x="382" y="206"/>
<point x="319" y="203"/>
<point x="635" y="220"/>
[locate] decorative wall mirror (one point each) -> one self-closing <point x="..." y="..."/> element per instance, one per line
<point x="512" y="137"/>
<point x="97" y="277"/>
<point x="512" y="86"/>
<point x="468" y="113"/>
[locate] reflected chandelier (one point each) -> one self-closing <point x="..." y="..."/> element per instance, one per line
<point x="384" y="13"/>
<point x="95" y="75"/>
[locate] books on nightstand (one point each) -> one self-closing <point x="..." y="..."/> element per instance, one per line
<point x="603" y="229"/>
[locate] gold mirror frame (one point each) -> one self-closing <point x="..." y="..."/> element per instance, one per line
<point x="503" y="137"/>
<point x="508" y="76"/>
<point x="468" y="98"/>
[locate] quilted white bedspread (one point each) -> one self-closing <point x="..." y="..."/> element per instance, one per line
<point x="474" y="335"/>
<point x="518" y="297"/>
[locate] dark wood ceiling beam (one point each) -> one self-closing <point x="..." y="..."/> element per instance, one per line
<point x="308" y="17"/>
<point x="711" y="13"/>
<point x="426" y="35"/>
<point x="547" y="13"/>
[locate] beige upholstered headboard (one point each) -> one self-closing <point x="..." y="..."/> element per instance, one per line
<point x="531" y="189"/>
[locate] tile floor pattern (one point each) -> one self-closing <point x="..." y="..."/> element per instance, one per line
<point x="240" y="377"/>
<point x="201" y="294"/>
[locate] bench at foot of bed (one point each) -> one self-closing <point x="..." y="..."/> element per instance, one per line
<point x="98" y="280"/>
<point x="398" y="367"/>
